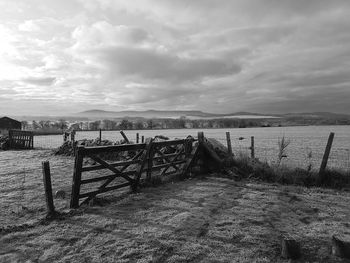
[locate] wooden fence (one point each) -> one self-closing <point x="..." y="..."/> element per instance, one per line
<point x="21" y="139"/>
<point x="142" y="161"/>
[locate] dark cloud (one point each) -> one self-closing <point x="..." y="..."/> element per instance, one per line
<point x="150" y="64"/>
<point x="40" y="81"/>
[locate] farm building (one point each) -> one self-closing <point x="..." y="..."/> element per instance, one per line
<point x="7" y="124"/>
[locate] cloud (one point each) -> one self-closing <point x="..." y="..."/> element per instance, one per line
<point x="150" y="64"/>
<point x="40" y="81"/>
<point x="261" y="55"/>
<point x="28" y="26"/>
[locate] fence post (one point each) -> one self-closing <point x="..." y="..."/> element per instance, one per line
<point x="325" y="157"/>
<point x="10" y="138"/>
<point x="72" y="136"/>
<point x="143" y="139"/>
<point x="100" y="135"/>
<point x="137" y="137"/>
<point x="149" y="155"/>
<point x="125" y="138"/>
<point x="48" y="188"/>
<point x="252" y="149"/>
<point x="200" y="138"/>
<point x="32" y="141"/>
<point x="74" y="201"/>
<point x="229" y="146"/>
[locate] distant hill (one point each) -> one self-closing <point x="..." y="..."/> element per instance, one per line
<point x="165" y="114"/>
<point x="288" y="119"/>
<point x="321" y="115"/>
<point x="141" y="114"/>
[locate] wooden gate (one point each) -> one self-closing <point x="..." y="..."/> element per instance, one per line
<point x="136" y="162"/>
<point x="21" y="139"/>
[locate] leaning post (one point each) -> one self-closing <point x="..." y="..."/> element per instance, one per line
<point x="125" y="137"/>
<point x="325" y="157"/>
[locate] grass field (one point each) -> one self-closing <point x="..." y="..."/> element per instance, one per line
<point x="199" y="220"/>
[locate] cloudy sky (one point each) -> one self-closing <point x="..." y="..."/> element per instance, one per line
<point x="64" y="56"/>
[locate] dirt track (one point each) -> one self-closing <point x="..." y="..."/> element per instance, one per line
<point x="207" y="220"/>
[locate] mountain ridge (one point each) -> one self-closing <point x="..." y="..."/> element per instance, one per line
<point x="96" y="113"/>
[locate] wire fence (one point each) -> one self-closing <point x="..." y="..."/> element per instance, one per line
<point x="303" y="151"/>
<point x="21" y="171"/>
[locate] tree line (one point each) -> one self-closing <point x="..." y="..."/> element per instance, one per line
<point x="140" y="124"/>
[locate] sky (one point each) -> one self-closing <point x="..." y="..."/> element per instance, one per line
<point x="267" y="56"/>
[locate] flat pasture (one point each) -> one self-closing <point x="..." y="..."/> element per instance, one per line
<point x="207" y="219"/>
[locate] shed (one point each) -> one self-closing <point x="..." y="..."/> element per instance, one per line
<point x="7" y="124"/>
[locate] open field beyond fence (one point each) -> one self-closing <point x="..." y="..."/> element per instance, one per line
<point x="307" y="143"/>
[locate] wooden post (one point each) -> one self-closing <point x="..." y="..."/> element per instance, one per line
<point x="48" y="188"/>
<point x="229" y="146"/>
<point x="143" y="139"/>
<point x="140" y="168"/>
<point x="290" y="248"/>
<point x="325" y="157"/>
<point x="10" y="139"/>
<point x="100" y="135"/>
<point x="341" y="246"/>
<point x="137" y="137"/>
<point x="150" y="154"/>
<point x="74" y="201"/>
<point x="125" y="138"/>
<point x="72" y="136"/>
<point x="200" y="138"/>
<point x="252" y="149"/>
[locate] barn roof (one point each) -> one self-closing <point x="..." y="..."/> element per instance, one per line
<point x="5" y="118"/>
<point x="6" y="122"/>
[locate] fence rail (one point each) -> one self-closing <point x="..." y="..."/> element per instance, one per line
<point x="172" y="157"/>
<point x="21" y="139"/>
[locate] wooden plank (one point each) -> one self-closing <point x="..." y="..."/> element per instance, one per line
<point x="110" y="179"/>
<point x="169" y="143"/>
<point x="169" y="155"/>
<point x="114" y="148"/>
<point x="174" y="159"/>
<point x="110" y="167"/>
<point x="157" y="167"/>
<point x="116" y="164"/>
<point x="167" y="159"/>
<point x="48" y="188"/>
<point x="74" y="203"/>
<point x="107" y="177"/>
<point x="92" y="194"/>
